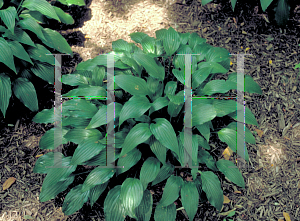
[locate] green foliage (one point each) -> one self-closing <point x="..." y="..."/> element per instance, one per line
<point x="146" y="123"/>
<point x="282" y="9"/>
<point x="23" y="58"/>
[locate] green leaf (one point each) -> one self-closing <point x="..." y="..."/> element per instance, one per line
<point x="43" y="71"/>
<point x="45" y="116"/>
<point x="135" y="107"/>
<point x="205" y="158"/>
<point x="189" y="199"/>
<point x="97" y="176"/>
<point x="229" y="136"/>
<point x="249" y="117"/>
<point x="27" y="217"/>
<point x="74" y="79"/>
<point x="128" y="160"/>
<point x="88" y="90"/>
<point x="6" y="55"/>
<point x="218" y="86"/>
<point x="133" y="85"/>
<point x="75" y="200"/>
<point x="249" y="85"/>
<point x="144" y="210"/>
<point x="153" y="69"/>
<point x="25" y="92"/>
<point x="41" y="6"/>
<point x="86" y="150"/>
<point x="171" y="191"/>
<point x="20" y="36"/>
<point x="165" y="213"/>
<point x="249" y="138"/>
<point x="99" y="118"/>
<point x="72" y="2"/>
<point x="30" y="24"/>
<point x="203" y="143"/>
<point x="170" y="88"/>
<point x="8" y="17"/>
<point x="165" y="171"/>
<point x="47" y="140"/>
<point x="56" y="41"/>
<point x="164" y="133"/>
<point x="79" y="108"/>
<point x="199" y="116"/>
<point x="18" y="51"/>
<point x="137" y="135"/>
<point x="149" y="171"/>
<point x="57" y="179"/>
<point x="113" y="207"/>
<point x="231" y="172"/>
<point x="282" y="12"/>
<point x="5" y="92"/>
<point x="171" y="41"/>
<point x="212" y="187"/>
<point x="64" y="17"/>
<point x="39" y="53"/>
<point x="224" y="107"/>
<point x="204" y="130"/>
<point x="158" y="104"/>
<point x="148" y="44"/>
<point x="216" y="54"/>
<point x="44" y="163"/>
<point x="131" y="195"/>
<point x="77" y="135"/>
<point x="158" y="149"/>
<point x="137" y="36"/>
<point x="96" y="192"/>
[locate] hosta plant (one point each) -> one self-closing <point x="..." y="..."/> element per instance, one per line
<point x="282" y="9"/>
<point x="149" y="122"/>
<point x="24" y="44"/>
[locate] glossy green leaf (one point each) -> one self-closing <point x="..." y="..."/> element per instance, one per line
<point x="131" y="195"/>
<point x="64" y="17"/>
<point x="99" y="118"/>
<point x="149" y="171"/>
<point x="129" y="160"/>
<point x="96" y="177"/>
<point x="20" y="36"/>
<point x="18" y="51"/>
<point x="212" y="187"/>
<point x="6" y="55"/>
<point x="48" y="142"/>
<point x="74" y="200"/>
<point x="77" y="135"/>
<point x="79" y="108"/>
<point x="113" y="206"/>
<point x="144" y="210"/>
<point x="204" y="130"/>
<point x="158" y="104"/>
<point x="249" y="117"/>
<point x="218" y="86"/>
<point x="153" y="69"/>
<point x="199" y="116"/>
<point x="171" y="41"/>
<point x="171" y="190"/>
<point x="44" y="71"/>
<point x="39" y="53"/>
<point x="165" y="171"/>
<point x="249" y="85"/>
<point x="8" y="17"/>
<point x="158" y="149"/>
<point x="133" y="85"/>
<point x="137" y="135"/>
<point x="45" y="116"/>
<point x="189" y="199"/>
<point x="74" y="80"/>
<point x="88" y="90"/>
<point x="30" y="24"/>
<point x="282" y="12"/>
<point x="249" y="138"/>
<point x="25" y="92"/>
<point x="136" y="106"/>
<point x="41" y="6"/>
<point x="165" y="213"/>
<point x="56" y="41"/>
<point x="205" y="158"/>
<point x="86" y="150"/>
<point x="5" y="92"/>
<point x="96" y="192"/>
<point x="164" y="133"/>
<point x="231" y="172"/>
<point x="224" y="107"/>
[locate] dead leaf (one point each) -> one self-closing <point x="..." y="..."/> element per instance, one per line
<point x="259" y="132"/>
<point x="226" y="199"/>
<point x="8" y="182"/>
<point x="286" y="216"/>
<point x="237" y="191"/>
<point x="227" y="153"/>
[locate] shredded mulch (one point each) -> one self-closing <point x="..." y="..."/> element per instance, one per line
<point x="272" y="176"/>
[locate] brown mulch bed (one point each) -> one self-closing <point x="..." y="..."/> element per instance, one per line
<point x="272" y="177"/>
